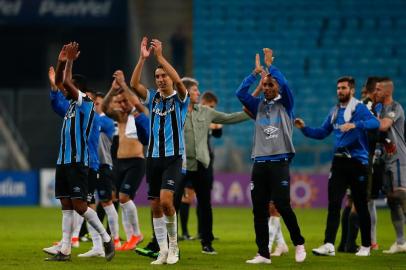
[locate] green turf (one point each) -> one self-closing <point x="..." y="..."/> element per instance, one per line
<point x="25" y="231"/>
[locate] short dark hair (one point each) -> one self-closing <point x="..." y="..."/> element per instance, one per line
<point x="80" y="82"/>
<point x="371" y="83"/>
<point x="384" y="79"/>
<point x="350" y="80"/>
<point x="100" y="95"/>
<point x="210" y="97"/>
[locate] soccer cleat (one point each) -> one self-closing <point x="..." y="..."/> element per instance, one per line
<point x="162" y="258"/>
<point x="59" y="257"/>
<point x="132" y="243"/>
<point x="173" y="254"/>
<point x="374" y="246"/>
<point x="146" y="252"/>
<point x="280" y="250"/>
<point x="363" y="251"/>
<point x="396" y="248"/>
<point x="117" y="244"/>
<point x="300" y="254"/>
<point x="92" y="253"/>
<point x="258" y="259"/>
<point x="208" y="249"/>
<point x="109" y="250"/>
<point x="75" y="242"/>
<point x="324" y="250"/>
<point x="53" y="250"/>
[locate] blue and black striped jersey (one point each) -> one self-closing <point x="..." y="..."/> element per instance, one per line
<point x="166" y="124"/>
<point x="78" y="116"/>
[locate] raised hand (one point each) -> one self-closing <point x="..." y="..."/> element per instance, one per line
<point x="157" y="45"/>
<point x="268" y="56"/>
<point x="119" y="78"/>
<point x="62" y="54"/>
<point x="145" y="52"/>
<point x="258" y="68"/>
<point x="51" y="77"/>
<point x="72" y="51"/>
<point x="299" y="123"/>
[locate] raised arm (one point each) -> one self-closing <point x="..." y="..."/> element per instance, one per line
<point x="133" y="99"/>
<point x="180" y="87"/>
<point x="284" y="90"/>
<point x="139" y="89"/>
<point x="72" y="53"/>
<point x="60" y="66"/>
<point x="106" y="106"/>
<point x="51" y="78"/>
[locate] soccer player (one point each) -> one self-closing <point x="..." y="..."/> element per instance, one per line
<point x="168" y="108"/>
<point x="73" y="160"/>
<point x="392" y="120"/>
<point x="197" y="128"/>
<point x="104" y="178"/>
<point x="349" y="120"/>
<point x="272" y="152"/>
<point x="130" y="156"/>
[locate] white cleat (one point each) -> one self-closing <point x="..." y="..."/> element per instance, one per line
<point x="92" y="253"/>
<point x="173" y="254"/>
<point x="280" y="250"/>
<point x="396" y="248"/>
<point x="162" y="257"/>
<point x="52" y="250"/>
<point x="258" y="259"/>
<point x="300" y="254"/>
<point x="363" y="251"/>
<point x="325" y="250"/>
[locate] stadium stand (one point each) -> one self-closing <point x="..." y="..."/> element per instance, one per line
<point x="312" y="48"/>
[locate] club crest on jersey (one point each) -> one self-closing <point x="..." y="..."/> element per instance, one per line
<point x="271" y="132"/>
<point x="71" y="112"/>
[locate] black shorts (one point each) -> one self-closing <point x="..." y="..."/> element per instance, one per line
<point x="163" y="173"/>
<point x="104" y="185"/>
<point x="93" y="178"/>
<point x="71" y="181"/>
<point x="129" y="174"/>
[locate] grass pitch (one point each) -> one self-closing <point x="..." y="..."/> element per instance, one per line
<point x="24" y="231"/>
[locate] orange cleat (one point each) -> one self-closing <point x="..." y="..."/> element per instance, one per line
<point x="374" y="246"/>
<point x="117" y="244"/>
<point x="132" y="243"/>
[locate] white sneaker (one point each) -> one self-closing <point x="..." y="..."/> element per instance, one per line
<point x="396" y="248"/>
<point x="300" y="254"/>
<point x="52" y="250"/>
<point x="173" y="254"/>
<point x="259" y="259"/>
<point x="92" y="253"/>
<point x="363" y="251"/>
<point x="162" y="257"/>
<point x="280" y="249"/>
<point x="325" y="250"/>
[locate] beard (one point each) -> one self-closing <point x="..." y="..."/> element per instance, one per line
<point x="344" y="98"/>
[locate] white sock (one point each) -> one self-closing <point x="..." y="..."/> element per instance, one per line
<point x="279" y="236"/>
<point x="92" y="218"/>
<point x="77" y="224"/>
<point x="96" y="239"/>
<point x="128" y="229"/>
<point x="67" y="227"/>
<point x="272" y="227"/>
<point x="112" y="218"/>
<point x="131" y="212"/>
<point x="161" y="233"/>
<point x="374" y="219"/>
<point x="172" y="227"/>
